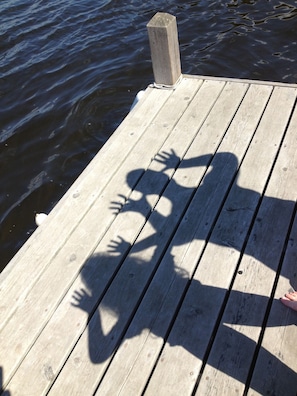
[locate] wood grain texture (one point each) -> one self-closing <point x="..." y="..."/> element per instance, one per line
<point x="159" y="271"/>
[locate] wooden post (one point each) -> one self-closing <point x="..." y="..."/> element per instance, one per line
<point x="163" y="38"/>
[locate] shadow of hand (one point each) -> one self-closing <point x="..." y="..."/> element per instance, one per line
<point x="117" y="206"/>
<point x="119" y="246"/>
<point x="169" y="160"/>
<point x="82" y="300"/>
<point x="128" y="204"/>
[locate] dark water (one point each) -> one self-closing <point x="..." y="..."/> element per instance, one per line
<point x="69" y="71"/>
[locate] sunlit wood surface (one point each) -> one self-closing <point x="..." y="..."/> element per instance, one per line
<point x="160" y="271"/>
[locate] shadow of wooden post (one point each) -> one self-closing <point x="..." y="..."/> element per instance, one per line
<point x="163" y="38"/>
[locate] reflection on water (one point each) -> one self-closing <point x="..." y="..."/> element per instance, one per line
<point x="70" y="71"/>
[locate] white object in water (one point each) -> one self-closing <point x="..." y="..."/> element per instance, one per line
<point x="137" y="99"/>
<point x="39" y="218"/>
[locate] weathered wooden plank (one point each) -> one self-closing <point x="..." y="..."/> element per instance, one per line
<point x="24" y="269"/>
<point x="126" y="286"/>
<point x="201" y="307"/>
<point x="199" y="219"/>
<point x="165" y="121"/>
<point x="243" y="80"/>
<point x="45" y="336"/>
<point x="155" y="313"/>
<point x="232" y="352"/>
<point x="70" y="258"/>
<point x="275" y="370"/>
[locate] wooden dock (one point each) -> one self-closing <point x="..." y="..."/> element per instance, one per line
<point x="160" y="270"/>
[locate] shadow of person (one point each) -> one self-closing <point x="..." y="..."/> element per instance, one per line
<point x="122" y="312"/>
<point x="218" y="192"/>
<point x="109" y="301"/>
<point x="119" y="308"/>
